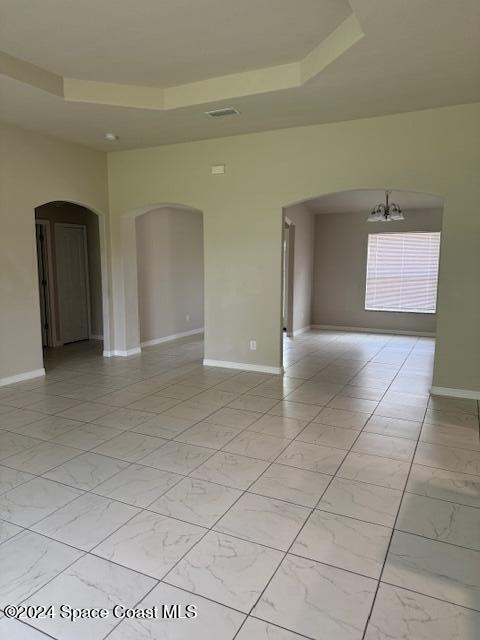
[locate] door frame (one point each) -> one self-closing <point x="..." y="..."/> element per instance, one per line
<point x="87" y="275"/>
<point x="289" y="267"/>
<point x="50" y="282"/>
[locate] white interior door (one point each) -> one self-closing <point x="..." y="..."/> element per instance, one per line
<point x="72" y="277"/>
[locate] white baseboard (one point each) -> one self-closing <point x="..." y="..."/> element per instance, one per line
<point x="20" y="377"/>
<point x="150" y="343"/>
<point x="396" y="332"/>
<point x="455" y="393"/>
<point x="174" y="336"/>
<point x="260" y="368"/>
<point x="122" y="354"/>
<point x="297" y="332"/>
<point x="96" y="337"/>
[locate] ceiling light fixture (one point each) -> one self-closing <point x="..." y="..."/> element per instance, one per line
<point x="388" y="212"/>
<point x="111" y="137"/>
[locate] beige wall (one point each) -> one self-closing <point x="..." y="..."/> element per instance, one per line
<point x="74" y="214"/>
<point x="170" y="272"/>
<point x="304" y="222"/>
<point x="435" y="151"/>
<point x="35" y="169"/>
<point x="341" y="242"/>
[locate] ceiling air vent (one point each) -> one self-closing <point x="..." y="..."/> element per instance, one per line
<point x="220" y="113"/>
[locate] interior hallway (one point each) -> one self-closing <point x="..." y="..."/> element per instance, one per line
<point x="268" y="502"/>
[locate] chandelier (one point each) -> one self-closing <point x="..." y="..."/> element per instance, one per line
<point x="388" y="212"/>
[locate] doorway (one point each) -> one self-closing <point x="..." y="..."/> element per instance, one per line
<point x="170" y="273"/>
<point x="69" y="273"/>
<point x="353" y="272"/>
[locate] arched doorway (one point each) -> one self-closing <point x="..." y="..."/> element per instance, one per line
<point x="70" y="241"/>
<point x="334" y="240"/>
<point x="162" y="276"/>
<point x="170" y="274"/>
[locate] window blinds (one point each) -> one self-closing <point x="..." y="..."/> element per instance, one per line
<point x="402" y="272"/>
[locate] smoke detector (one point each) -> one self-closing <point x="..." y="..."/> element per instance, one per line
<point x="220" y="113"/>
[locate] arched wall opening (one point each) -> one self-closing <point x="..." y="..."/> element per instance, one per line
<point x="328" y="239"/>
<point x="163" y="276"/>
<point x="72" y="273"/>
<point x="170" y="272"/>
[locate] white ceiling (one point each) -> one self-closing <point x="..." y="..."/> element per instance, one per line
<point x="410" y="55"/>
<point x="164" y="42"/>
<point x="363" y="201"/>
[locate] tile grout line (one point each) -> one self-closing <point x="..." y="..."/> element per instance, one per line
<point x="139" y="462"/>
<point x="379" y="582"/>
<point x="91" y="450"/>
<point x="247" y="429"/>
<point x="89" y="552"/>
<point x="298" y="534"/>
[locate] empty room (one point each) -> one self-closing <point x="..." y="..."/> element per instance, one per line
<point x="240" y="320"/>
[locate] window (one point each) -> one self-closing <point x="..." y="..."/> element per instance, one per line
<point x="402" y="272"/>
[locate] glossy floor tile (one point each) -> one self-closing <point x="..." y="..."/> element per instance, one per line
<point x="273" y="523"/>
<point x="214" y="621"/>
<point x="137" y="485"/>
<point x="34" y="500"/>
<point x="339" y="500"/>
<point x="228" y="570"/>
<point x="196" y="501"/>
<point x="374" y="469"/>
<point x="434" y="568"/>
<point x="230" y="470"/>
<point x="150" y="543"/>
<point x="347" y="543"/>
<point x="405" y="615"/>
<point x="86" y="471"/>
<point x="29" y="561"/>
<point x="299" y="486"/>
<point x="317" y="600"/>
<point x="89" y="583"/>
<point x="85" y="521"/>
<point x="369" y="502"/>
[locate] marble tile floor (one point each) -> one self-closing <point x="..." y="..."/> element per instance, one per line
<point x="337" y="502"/>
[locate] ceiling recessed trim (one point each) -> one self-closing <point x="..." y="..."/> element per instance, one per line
<point x="236" y="85"/>
<point x="31" y="74"/>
